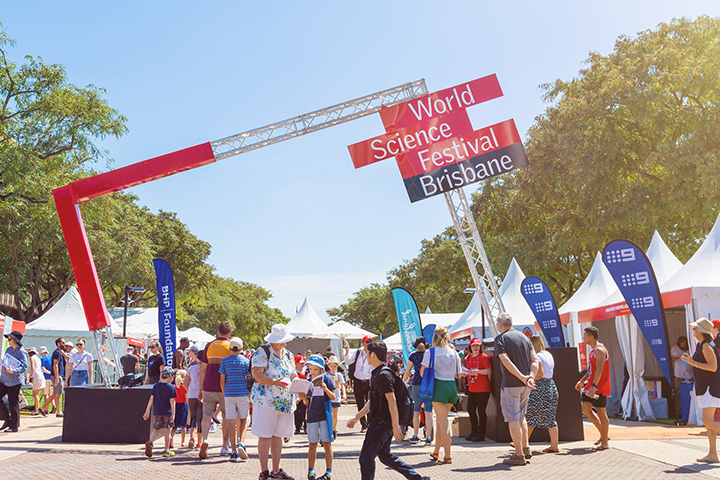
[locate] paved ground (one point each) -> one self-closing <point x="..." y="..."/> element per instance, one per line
<point x="37" y="450"/>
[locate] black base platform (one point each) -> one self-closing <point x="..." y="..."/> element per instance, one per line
<point x="94" y="414"/>
<point x="569" y="412"/>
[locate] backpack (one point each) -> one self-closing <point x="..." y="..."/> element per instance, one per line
<point x="405" y="404"/>
<point x="249" y="380"/>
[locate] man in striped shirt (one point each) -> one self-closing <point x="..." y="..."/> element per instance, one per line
<point x="210" y="391"/>
<point x="233" y="373"/>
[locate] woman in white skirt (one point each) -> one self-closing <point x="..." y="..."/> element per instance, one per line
<point x="705" y="364"/>
<point x="36" y="378"/>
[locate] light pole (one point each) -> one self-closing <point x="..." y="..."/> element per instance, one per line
<point x="127" y="291"/>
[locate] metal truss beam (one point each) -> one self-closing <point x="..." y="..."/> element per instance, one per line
<point x="317" y="120"/>
<point x="472" y="246"/>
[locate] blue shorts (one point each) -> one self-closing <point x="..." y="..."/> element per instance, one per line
<point x="415" y="394"/>
<point x="317" y="431"/>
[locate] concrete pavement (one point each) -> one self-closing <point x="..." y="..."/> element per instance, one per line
<point x="37" y="450"/>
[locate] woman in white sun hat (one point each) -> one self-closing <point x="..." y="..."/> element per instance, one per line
<point x="273" y="368"/>
<point x="705" y="363"/>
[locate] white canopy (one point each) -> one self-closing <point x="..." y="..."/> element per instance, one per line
<point x="513" y="301"/>
<point x="598" y="286"/>
<point x="348" y="331"/>
<point x="64" y="319"/>
<point x="67" y="315"/>
<point x="307" y="324"/>
<point x="703" y="268"/>
<point x="196" y="335"/>
<point x="393" y="342"/>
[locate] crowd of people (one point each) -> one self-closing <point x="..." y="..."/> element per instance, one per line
<point x="248" y="388"/>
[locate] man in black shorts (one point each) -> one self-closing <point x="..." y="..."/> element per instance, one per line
<point x="597" y="387"/>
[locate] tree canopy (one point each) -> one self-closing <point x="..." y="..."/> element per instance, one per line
<point x="627" y="147"/>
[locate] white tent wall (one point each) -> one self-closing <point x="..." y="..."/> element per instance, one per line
<point x="634" y="400"/>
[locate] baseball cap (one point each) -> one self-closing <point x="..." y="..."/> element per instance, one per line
<point x="184" y="339"/>
<point x="366" y="338"/>
<point x="236" y="343"/>
<point x="716" y="323"/>
<point x="475" y="341"/>
<point x="194" y="348"/>
<point x="333" y="359"/>
<point x="167" y="372"/>
<point x="316" y="360"/>
<point x="299" y="358"/>
<point x="130" y="348"/>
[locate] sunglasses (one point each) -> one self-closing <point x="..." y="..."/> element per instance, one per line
<point x="79" y="344"/>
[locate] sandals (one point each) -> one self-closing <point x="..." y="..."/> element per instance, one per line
<point x="707" y="460"/>
<point x="435" y="456"/>
<point x="446" y="461"/>
<point x="601" y="447"/>
<point x="550" y="450"/>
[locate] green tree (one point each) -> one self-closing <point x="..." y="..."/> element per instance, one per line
<point x="49" y="130"/>
<point x="627" y="147"/>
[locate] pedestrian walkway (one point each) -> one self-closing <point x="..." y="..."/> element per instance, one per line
<point x="38" y="447"/>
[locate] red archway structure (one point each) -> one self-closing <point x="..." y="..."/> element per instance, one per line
<point x="69" y="197"/>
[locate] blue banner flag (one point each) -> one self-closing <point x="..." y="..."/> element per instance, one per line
<point x="166" y="308"/>
<point x="408" y="320"/>
<point x="635" y="277"/>
<point x="538" y="296"/>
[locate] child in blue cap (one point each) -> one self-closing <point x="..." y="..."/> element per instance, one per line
<point x="319" y="415"/>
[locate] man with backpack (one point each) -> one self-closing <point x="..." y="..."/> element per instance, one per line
<point x="384" y="416"/>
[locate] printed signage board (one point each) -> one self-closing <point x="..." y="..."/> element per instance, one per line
<point x="435" y="146"/>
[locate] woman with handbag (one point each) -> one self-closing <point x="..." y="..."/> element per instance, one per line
<point x="440" y="368"/>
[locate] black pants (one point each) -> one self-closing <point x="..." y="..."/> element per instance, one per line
<point x="300" y="420"/>
<point x="477" y="403"/>
<point x="361" y="388"/>
<point x="12" y="394"/>
<point x="377" y="444"/>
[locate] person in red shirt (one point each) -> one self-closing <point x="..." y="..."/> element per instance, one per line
<point x="301" y="410"/>
<point x="478" y="377"/>
<point x="181" y="408"/>
<point x="597" y="386"/>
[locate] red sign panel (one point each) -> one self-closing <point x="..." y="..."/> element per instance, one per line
<point x="435" y="146"/>
<point x="441" y="102"/>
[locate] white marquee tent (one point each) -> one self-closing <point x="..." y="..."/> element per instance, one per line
<point x="141" y="322"/>
<point x="311" y="333"/>
<point x="197" y="336"/>
<point x="64" y="319"/>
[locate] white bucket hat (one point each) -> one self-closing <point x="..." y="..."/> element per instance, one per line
<point x="279" y="334"/>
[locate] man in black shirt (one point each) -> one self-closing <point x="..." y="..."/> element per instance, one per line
<point x="382" y="418"/>
<point x="129" y="361"/>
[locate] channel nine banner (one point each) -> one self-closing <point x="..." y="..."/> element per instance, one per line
<point x="542" y="303"/>
<point x="435" y="145"/>
<point x="166" y="309"/>
<point x="408" y="320"/>
<point x="634" y="276"/>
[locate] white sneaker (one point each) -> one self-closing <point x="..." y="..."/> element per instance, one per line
<point x="225" y="451"/>
<point x="213" y="428"/>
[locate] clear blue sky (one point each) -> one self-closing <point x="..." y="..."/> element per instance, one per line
<point x="296" y="217"/>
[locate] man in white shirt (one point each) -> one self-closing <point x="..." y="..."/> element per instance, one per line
<point x="361" y="371"/>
